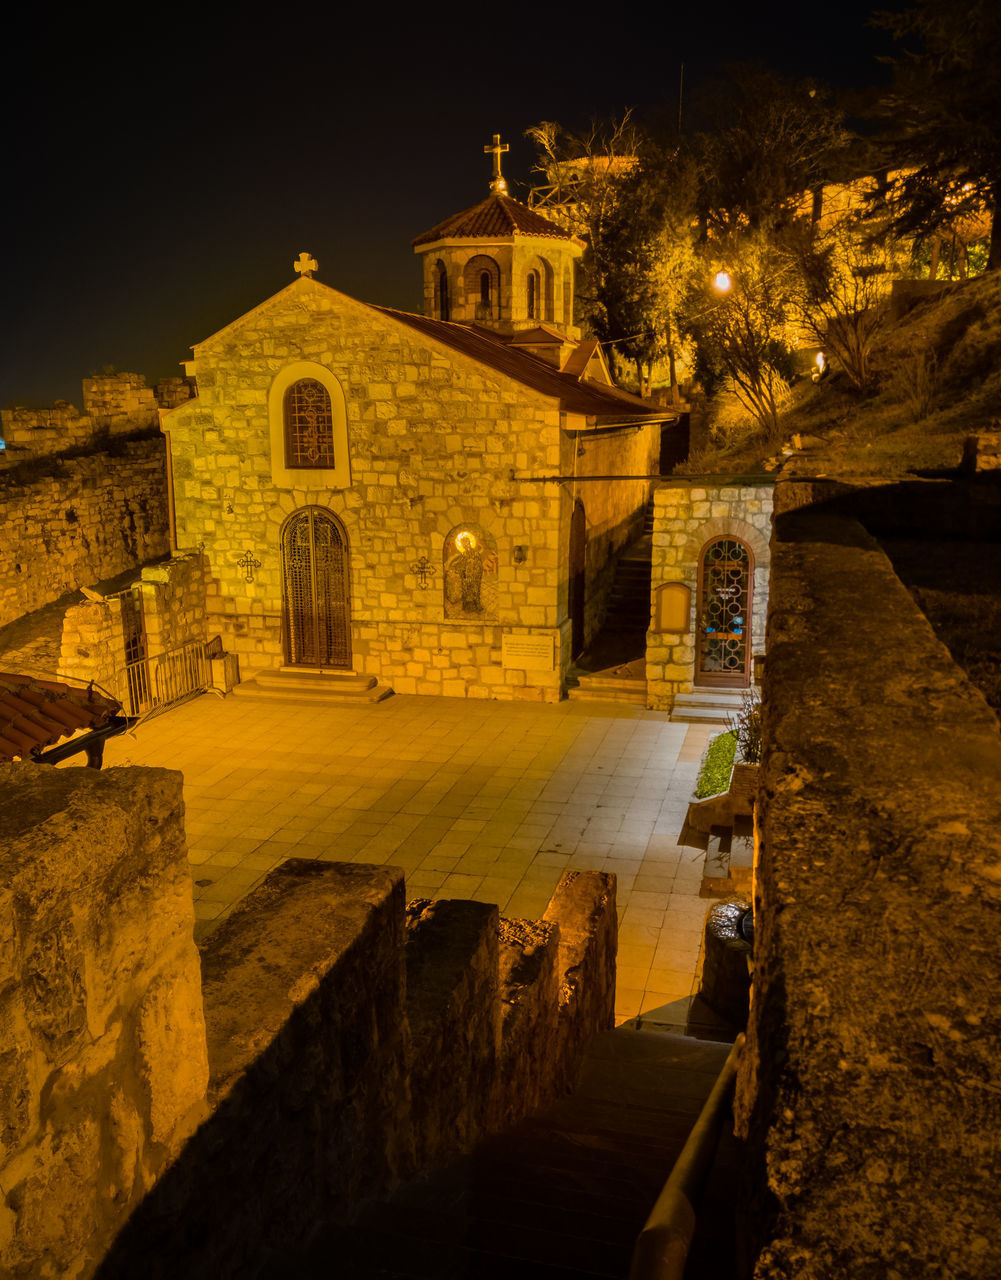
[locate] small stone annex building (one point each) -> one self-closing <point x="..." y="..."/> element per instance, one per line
<point x="396" y="495"/>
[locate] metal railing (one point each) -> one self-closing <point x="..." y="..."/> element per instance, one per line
<point x="155" y="683"/>
<point x="662" y="1246"/>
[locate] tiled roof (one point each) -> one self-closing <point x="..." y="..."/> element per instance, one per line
<point x="37" y="713"/>
<point x="575" y="396"/>
<point x="495" y="216"/>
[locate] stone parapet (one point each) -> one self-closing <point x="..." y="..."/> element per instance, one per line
<point x="103" y="1066"/>
<point x="868" y="1091"/>
<point x="352" y="1044"/>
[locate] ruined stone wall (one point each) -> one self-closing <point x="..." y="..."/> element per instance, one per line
<point x="868" y="1090"/>
<point x="351" y="1044"/>
<point x="72" y="522"/>
<point x="434" y="438"/>
<point x="172" y="597"/>
<point x="113" y="405"/>
<point x="103" y="1069"/>
<point x="93" y="646"/>
<point x="687" y="515"/>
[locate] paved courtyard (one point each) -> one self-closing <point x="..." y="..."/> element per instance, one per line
<point x="484" y="800"/>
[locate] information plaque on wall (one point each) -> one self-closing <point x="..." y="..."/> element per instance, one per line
<point x="528" y="653"/>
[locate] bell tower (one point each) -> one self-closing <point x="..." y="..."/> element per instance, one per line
<point x="500" y="265"/>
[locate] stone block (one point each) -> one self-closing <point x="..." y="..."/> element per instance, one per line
<point x="454" y="1016"/>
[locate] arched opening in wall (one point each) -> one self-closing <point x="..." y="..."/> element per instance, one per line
<point x="532" y="298"/>
<point x="481" y="281"/>
<point x="316" y="625"/>
<point x="541" y="290"/>
<point x="577" y="578"/>
<point x="567" y="299"/>
<point x="723" y="619"/>
<point x="442" y="309"/>
<point x="469" y="564"/>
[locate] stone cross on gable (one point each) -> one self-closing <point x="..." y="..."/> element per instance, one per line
<point x="305" y="265"/>
<point x="497" y="149"/>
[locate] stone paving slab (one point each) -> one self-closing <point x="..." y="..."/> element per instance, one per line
<point x="483" y="800"/>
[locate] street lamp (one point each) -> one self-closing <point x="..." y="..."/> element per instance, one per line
<point x="722" y="282"/>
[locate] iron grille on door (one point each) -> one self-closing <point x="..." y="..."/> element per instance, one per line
<point x="724" y="613"/>
<point x="315" y="591"/>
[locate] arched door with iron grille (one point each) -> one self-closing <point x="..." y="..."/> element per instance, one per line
<point x="726" y="574"/>
<point x="316" y="623"/>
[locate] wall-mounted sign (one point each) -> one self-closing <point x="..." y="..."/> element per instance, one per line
<point x="528" y="653"/>
<point x="672" y="607"/>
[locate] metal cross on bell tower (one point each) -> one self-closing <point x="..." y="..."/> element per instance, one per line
<point x="498" y="185"/>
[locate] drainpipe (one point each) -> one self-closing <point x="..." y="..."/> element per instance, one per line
<point x="171" y="515"/>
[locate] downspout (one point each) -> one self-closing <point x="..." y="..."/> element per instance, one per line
<point x="171" y="513"/>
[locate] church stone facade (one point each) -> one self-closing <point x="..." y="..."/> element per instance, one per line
<point x="395" y="495"/>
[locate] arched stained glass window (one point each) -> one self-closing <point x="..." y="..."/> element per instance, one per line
<point x="309" y="426"/>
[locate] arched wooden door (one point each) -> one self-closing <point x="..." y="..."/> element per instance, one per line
<point x="315" y="621"/>
<point x="578" y="578"/>
<point x="723" y="639"/>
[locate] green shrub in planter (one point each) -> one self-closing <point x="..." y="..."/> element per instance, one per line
<point x="717" y="765"/>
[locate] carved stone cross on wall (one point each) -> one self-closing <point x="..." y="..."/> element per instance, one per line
<point x="248" y="562"/>
<point x="497" y="149"/>
<point x="305" y="265"/>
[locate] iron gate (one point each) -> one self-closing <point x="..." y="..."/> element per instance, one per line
<point x="315" y="616"/>
<point x="724" y="635"/>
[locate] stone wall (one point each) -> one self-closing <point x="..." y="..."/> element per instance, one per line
<point x="72" y="522"/>
<point x="687" y="515"/>
<point x="171" y="596"/>
<point x="869" y="1087"/>
<point x="435" y="439"/>
<point x="113" y="405"/>
<point x="351" y="1044"/>
<point x="103" y="1068"/>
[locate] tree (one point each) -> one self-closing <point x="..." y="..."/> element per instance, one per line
<point x="839" y="289"/>
<point x="743" y="334"/>
<point x="633" y="205"/>
<point x="653" y="231"/>
<point x="944" y="138"/>
<point x="769" y="141"/>
<point x="584" y="175"/>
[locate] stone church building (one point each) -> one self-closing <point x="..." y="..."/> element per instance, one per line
<point x="400" y="495"/>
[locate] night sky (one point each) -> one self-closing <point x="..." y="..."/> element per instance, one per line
<point x="163" y="169"/>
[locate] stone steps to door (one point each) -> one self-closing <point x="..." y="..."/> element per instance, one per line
<point x="560" y="1196"/>
<point x="314" y="684"/>
<point x="708" y="706"/>
<point x="601" y="688"/>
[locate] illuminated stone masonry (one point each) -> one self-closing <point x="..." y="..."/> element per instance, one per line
<point x="379" y="579"/>
<point x="691" y="609"/>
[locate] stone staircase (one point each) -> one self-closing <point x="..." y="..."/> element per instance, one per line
<point x="562" y="1195"/>
<point x="314" y="684"/>
<point x="614" y="668"/>
<point x="708" y="706"/>
<point x="608" y="686"/>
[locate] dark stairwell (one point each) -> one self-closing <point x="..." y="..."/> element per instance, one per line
<point x="563" y="1194"/>
<point x="613" y="667"/>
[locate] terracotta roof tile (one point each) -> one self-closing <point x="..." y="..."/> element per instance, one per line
<point x="575" y="396"/>
<point x="495" y="216"/>
<point x="37" y="713"/>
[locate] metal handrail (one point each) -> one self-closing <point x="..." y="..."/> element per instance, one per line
<point x="662" y="1246"/>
